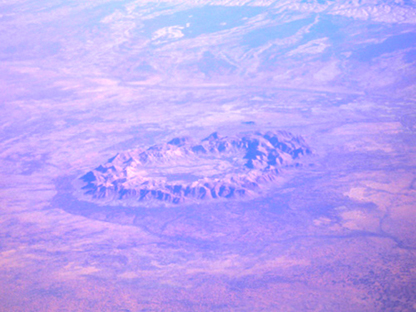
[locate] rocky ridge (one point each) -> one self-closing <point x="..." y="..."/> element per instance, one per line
<point x="182" y="170"/>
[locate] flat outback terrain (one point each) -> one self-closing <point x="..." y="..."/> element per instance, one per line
<point x="207" y="155"/>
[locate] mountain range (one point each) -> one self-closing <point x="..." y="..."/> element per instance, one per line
<point x="184" y="170"/>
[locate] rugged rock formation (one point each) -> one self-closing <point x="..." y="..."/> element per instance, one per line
<point x="182" y="170"/>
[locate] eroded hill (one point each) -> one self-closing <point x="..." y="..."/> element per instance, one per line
<point x="183" y="170"/>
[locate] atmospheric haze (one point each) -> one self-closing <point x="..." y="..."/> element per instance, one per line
<point x="207" y="155"/>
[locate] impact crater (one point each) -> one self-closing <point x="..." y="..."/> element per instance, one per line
<point x="183" y="170"/>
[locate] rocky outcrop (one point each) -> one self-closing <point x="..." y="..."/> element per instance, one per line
<point x="182" y="170"/>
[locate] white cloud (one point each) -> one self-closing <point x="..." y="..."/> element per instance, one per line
<point x="171" y="32"/>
